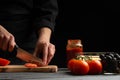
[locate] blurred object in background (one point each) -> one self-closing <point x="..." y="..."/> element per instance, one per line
<point x="74" y="47"/>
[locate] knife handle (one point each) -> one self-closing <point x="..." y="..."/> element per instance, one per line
<point x="14" y="52"/>
<point x="7" y="54"/>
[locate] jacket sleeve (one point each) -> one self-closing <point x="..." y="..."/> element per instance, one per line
<point x="45" y="13"/>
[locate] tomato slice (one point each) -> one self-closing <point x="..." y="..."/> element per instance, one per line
<point x="30" y="65"/>
<point x="4" y="62"/>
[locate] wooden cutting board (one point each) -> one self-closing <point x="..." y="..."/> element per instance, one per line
<point x="22" y="68"/>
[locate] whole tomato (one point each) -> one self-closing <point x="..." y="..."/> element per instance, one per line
<point x="78" y="67"/>
<point x="95" y="66"/>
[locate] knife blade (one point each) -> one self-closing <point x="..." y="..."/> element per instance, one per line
<point x="27" y="57"/>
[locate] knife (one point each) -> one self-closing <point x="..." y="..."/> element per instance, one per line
<point x="28" y="57"/>
<point x="23" y="55"/>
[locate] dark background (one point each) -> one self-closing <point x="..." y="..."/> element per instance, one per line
<point x="94" y="22"/>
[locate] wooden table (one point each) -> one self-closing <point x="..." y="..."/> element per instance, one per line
<point x="62" y="74"/>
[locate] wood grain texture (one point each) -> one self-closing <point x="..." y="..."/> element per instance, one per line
<point x="22" y="68"/>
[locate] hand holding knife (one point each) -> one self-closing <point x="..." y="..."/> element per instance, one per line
<point x="5" y="39"/>
<point x="23" y="55"/>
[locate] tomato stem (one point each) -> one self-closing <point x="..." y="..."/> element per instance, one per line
<point x="85" y="57"/>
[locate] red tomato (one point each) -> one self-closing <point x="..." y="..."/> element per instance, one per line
<point x="78" y="67"/>
<point x="95" y="66"/>
<point x="71" y="64"/>
<point x="4" y="62"/>
<point x="30" y="65"/>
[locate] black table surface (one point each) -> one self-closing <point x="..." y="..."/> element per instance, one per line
<point x="62" y="74"/>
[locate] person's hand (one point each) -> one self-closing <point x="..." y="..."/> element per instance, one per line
<point x="46" y="49"/>
<point x="7" y="40"/>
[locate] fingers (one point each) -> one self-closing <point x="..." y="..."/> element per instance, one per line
<point x="11" y="44"/>
<point x="1" y="40"/>
<point x="51" y="51"/>
<point x="7" y="42"/>
<point x="47" y="51"/>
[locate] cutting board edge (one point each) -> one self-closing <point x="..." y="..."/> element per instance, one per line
<point x="22" y="68"/>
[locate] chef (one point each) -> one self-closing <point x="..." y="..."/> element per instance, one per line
<point x="29" y="24"/>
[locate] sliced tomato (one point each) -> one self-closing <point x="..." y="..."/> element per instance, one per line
<point x="4" y="62"/>
<point x="30" y="65"/>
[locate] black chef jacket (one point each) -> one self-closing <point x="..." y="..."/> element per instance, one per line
<point x="23" y="18"/>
